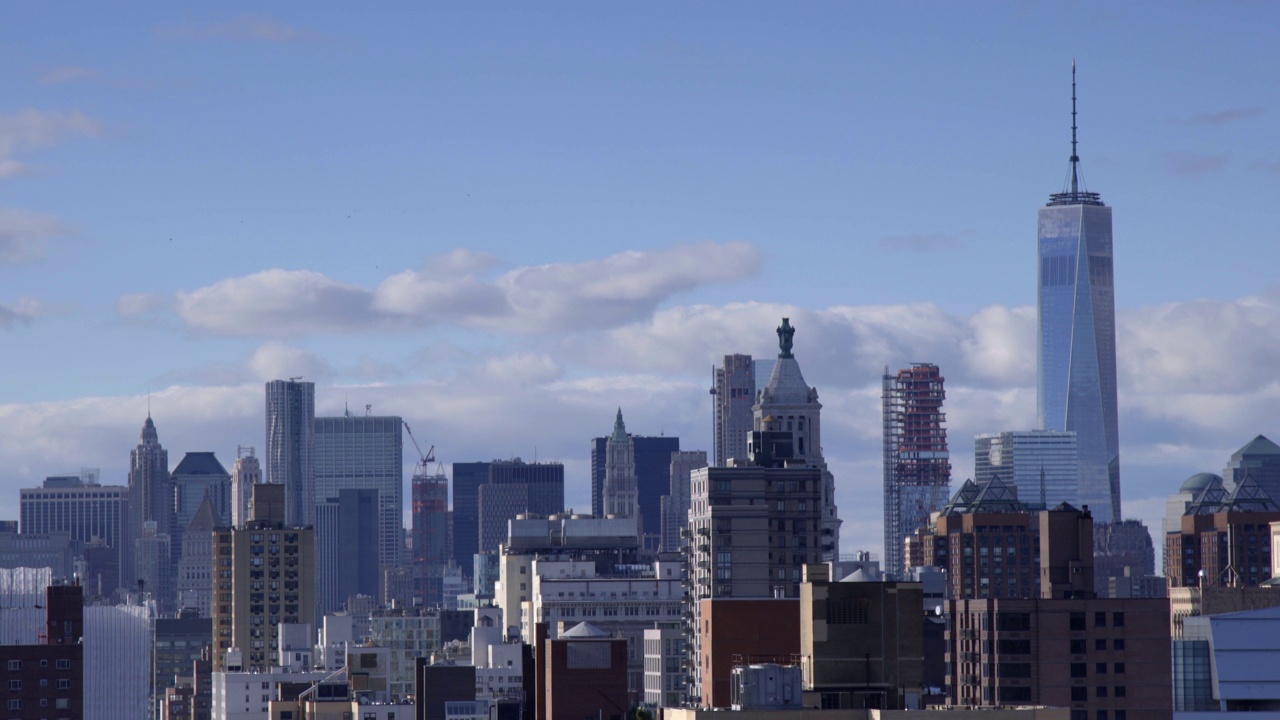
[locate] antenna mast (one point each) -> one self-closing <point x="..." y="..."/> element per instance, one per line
<point x="1075" y="158"/>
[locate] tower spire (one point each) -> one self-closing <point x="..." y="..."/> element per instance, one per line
<point x="1075" y="157"/>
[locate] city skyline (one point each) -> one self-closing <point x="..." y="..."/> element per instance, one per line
<point x="530" y="290"/>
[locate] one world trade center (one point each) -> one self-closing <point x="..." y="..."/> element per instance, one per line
<point x="1076" y="333"/>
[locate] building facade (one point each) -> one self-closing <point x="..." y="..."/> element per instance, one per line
<point x="365" y="453"/>
<point x="1044" y="465"/>
<point x="917" y="465"/>
<point x="733" y="393"/>
<point x="291" y="414"/>
<point x="246" y="473"/>
<point x="85" y="512"/>
<point x="653" y="479"/>
<point x="1076" y="334"/>
<point x="621" y="493"/>
<point x="151" y="497"/>
<point x="675" y="504"/>
<point x="431" y="537"/>
<point x="546" y="497"/>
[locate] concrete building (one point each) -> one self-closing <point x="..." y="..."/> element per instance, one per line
<point x="546" y="497"/>
<point x="53" y="550"/>
<point x="788" y="409"/>
<point x="153" y="564"/>
<point x="179" y="643"/>
<point x="431" y="537"/>
<point x="365" y="453"/>
<point x="47" y="679"/>
<point x="736" y="632"/>
<point x="1225" y="538"/>
<point x="586" y="675"/>
<point x="195" y="569"/>
<point x="1044" y="465"/>
<point x="408" y="633"/>
<point x="674" y="505"/>
<point x="1090" y="655"/>
<point x="265" y="578"/>
<point x="151" y="499"/>
<point x="861" y="643"/>
<point x="290" y="415"/>
<point x="917" y="464"/>
<point x="733" y="393"/>
<point x="665" y="675"/>
<point x="246" y="473"/>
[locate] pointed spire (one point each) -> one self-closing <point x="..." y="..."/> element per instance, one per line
<point x="1075" y="192"/>
<point x="619" y="428"/>
<point x="1075" y="156"/>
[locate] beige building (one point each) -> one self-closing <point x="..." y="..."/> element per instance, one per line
<point x="265" y="576"/>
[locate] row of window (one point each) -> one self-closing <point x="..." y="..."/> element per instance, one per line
<point x="60" y="664"/>
<point x="62" y="684"/>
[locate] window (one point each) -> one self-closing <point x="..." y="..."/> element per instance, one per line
<point x="1099" y="619"/>
<point x="1117" y="644"/>
<point x="1100" y="644"/>
<point x="1102" y="715"/>
<point x="1119" y="668"/>
<point x="64" y="664"/>
<point x="15" y="685"/>
<point x="15" y="665"/>
<point x="1100" y="668"/>
<point x="1120" y="691"/>
<point x="1077" y="622"/>
<point x="1078" y="670"/>
<point x="15" y="704"/>
<point x="1080" y="693"/>
<point x="1100" y="691"/>
<point x="1077" y="647"/>
<point x="1117" y="619"/>
<point x="64" y="684"/>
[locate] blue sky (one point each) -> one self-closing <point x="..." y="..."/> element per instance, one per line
<point x="447" y="197"/>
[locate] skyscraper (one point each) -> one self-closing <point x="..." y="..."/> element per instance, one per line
<point x="653" y="478"/>
<point x="431" y="541"/>
<point x="151" y="498"/>
<point x="545" y="495"/>
<point x="291" y="414"/>
<point x="244" y="475"/>
<point x="1043" y="464"/>
<point x="788" y="405"/>
<point x="675" y="504"/>
<point x="733" y="393"/>
<point x="1260" y="459"/>
<point x="1076" y="350"/>
<point x="365" y="452"/>
<point x="621" y="496"/>
<point x="917" y="465"/>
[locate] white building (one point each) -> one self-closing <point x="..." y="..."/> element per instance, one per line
<point x="1043" y="464"/>
<point x="409" y="633"/>
<point x="498" y="664"/>
<point x="246" y="473"/>
<point x="664" y="673"/>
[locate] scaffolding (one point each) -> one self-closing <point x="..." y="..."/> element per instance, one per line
<point x="917" y="466"/>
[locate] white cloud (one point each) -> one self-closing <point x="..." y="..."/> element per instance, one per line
<point x="452" y="290"/>
<point x="22" y="312"/>
<point x="137" y="304"/>
<point x="24" y="235"/>
<point x="30" y="130"/>
<point x="275" y="360"/>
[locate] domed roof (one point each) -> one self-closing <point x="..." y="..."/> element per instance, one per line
<point x="1198" y="482"/>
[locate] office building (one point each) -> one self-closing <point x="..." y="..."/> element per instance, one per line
<point x="1124" y="560"/>
<point x="200" y="474"/>
<point x="1044" y="465"/>
<point x="546" y="497"/>
<point x="151" y="498"/>
<point x="861" y="642"/>
<point x="621" y="493"/>
<point x="1177" y="504"/>
<point x="653" y="479"/>
<point x="246" y="473"/>
<point x="180" y="642"/>
<point x="347" y="543"/>
<point x="1259" y="458"/>
<point x="86" y="512"/>
<point x="1225" y="538"/>
<point x="366" y="452"/>
<point x="1076" y="333"/>
<point x="265" y="578"/>
<point x="665" y="650"/>
<point x="431" y="537"/>
<point x="410" y="633"/>
<point x="733" y="394"/>
<point x="195" y="569"/>
<point x="291" y="415"/>
<point x="153" y="564"/>
<point x="788" y="412"/>
<point x="675" y="504"/>
<point x="46" y="679"/>
<point x="917" y="465"/>
<point x="37" y="550"/>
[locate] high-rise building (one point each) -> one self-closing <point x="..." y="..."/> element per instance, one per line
<point x="48" y="679"/>
<point x="546" y="496"/>
<point x="917" y="465"/>
<point x="195" y="569"/>
<point x="431" y="539"/>
<point x="733" y="393"/>
<point x="355" y="453"/>
<point x="675" y="504"/>
<point x="653" y="479"/>
<point x="1076" y="328"/>
<point x="246" y="473"/>
<point x="1259" y="458"/>
<point x="86" y="512"/>
<point x="197" y="476"/>
<point x="264" y="572"/>
<point x="621" y="495"/>
<point x="153" y="564"/>
<point x="291" y="415"/>
<point x="1225" y="538"/>
<point x="1043" y="464"/>
<point x="151" y="497"/>
<point x="347" y="542"/>
<point x="787" y="411"/>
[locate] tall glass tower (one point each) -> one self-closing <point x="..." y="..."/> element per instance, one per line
<point x="1076" y="333"/>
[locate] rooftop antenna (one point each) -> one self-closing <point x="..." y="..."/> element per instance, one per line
<point x="1075" y="157"/>
<point x="148" y="401"/>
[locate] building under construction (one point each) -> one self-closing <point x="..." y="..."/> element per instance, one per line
<point x="917" y="466"/>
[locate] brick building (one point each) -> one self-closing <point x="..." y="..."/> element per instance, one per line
<point x="47" y="679"/>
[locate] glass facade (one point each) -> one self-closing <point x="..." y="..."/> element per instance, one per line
<point x="1076" y="353"/>
<point x="1043" y="465"/>
<point x="1192" y="681"/>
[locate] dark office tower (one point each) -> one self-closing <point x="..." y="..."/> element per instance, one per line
<point x="545" y="490"/>
<point x="291" y="415"/>
<point x="1260" y="458"/>
<point x="1076" y="352"/>
<point x="358" y="542"/>
<point x="653" y="479"/>
<point x="733" y="393"/>
<point x="198" y="476"/>
<point x="151" y="497"/>
<point x="431" y="551"/>
<point x="917" y="466"/>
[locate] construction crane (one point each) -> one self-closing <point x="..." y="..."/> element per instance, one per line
<point x="424" y="460"/>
